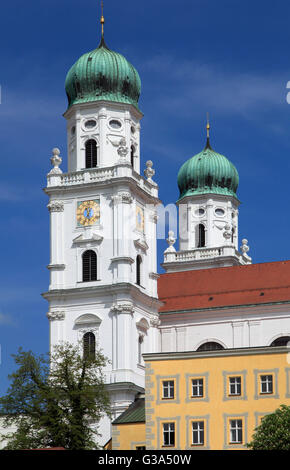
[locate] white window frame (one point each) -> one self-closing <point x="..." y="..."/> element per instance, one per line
<point x="169" y="388"/>
<point x="198" y="432"/>
<point x="168" y="429"/>
<point x="236" y="431"/>
<point x="199" y="387"/>
<point x="267" y="383"/>
<point x="235" y="387"/>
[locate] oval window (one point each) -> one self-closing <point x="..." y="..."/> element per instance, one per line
<point x="200" y="212"/>
<point x="90" y="124"/>
<point x="115" y="124"/>
<point x="219" y="212"/>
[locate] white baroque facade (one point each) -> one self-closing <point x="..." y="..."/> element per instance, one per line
<point x="119" y="309"/>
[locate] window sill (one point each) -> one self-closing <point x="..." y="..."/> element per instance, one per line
<point x="197" y="445"/>
<point x="197" y="396"/>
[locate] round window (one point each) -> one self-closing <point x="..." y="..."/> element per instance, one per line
<point x="219" y="212"/>
<point x="90" y="124"/>
<point x="115" y="124"/>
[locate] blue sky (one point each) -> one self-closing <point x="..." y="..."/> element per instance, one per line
<point x="227" y="57"/>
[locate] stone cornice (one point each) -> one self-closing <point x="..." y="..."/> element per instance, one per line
<point x="133" y="187"/>
<point x="80" y="239"/>
<point x="226" y="307"/>
<point x="259" y="350"/>
<point x="56" y="267"/>
<point x="106" y="290"/>
<point x="102" y="104"/>
<point x="122" y="259"/>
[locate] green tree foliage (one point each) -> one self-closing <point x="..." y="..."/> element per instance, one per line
<point x="273" y="432"/>
<point x="55" y="400"/>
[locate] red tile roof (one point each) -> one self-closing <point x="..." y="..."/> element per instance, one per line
<point x="230" y="286"/>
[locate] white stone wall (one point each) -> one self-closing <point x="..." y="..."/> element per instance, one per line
<point x="107" y="137"/>
<point x="218" y="214"/>
<point x="231" y="327"/>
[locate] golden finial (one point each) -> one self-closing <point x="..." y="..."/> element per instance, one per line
<point x="207" y="125"/>
<point x="207" y="132"/>
<point x="102" y="17"/>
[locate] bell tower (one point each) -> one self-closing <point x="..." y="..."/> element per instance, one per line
<point x="103" y="279"/>
<point x="208" y="215"/>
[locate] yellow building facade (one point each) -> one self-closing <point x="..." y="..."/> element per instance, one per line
<point x="212" y="399"/>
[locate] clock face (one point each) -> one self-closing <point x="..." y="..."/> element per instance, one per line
<point x="88" y="212"/>
<point x="140" y="219"/>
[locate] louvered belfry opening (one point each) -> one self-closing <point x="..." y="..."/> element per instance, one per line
<point x="89" y="345"/>
<point x="138" y="270"/>
<point x="200" y="236"/>
<point x="132" y="156"/>
<point x="91" y="154"/>
<point x="89" y="266"/>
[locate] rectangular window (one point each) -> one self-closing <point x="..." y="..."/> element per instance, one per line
<point x="198" y="433"/>
<point x="140" y="447"/>
<point x="169" y="434"/>
<point x="266" y="383"/>
<point x="235" y="384"/>
<point x="197" y="387"/>
<point x="168" y="389"/>
<point x="236" y="431"/>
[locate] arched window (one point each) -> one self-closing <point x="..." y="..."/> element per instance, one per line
<point x="138" y="270"/>
<point x="89" y="345"/>
<point x="91" y="154"/>
<point x="132" y="156"/>
<point x="140" y="348"/>
<point x="233" y="233"/>
<point x="200" y="235"/>
<point x="210" y="346"/>
<point x="89" y="266"/>
<point x="282" y="341"/>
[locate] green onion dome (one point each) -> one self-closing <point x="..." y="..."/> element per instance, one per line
<point x="103" y="75"/>
<point x="208" y="172"/>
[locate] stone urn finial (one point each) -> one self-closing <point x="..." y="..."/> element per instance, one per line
<point x="149" y="172"/>
<point x="170" y="240"/>
<point x="56" y="160"/>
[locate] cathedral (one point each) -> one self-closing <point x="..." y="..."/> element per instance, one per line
<point x="105" y="290"/>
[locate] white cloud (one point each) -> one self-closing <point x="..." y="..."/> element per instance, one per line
<point x="188" y="86"/>
<point x="6" y="319"/>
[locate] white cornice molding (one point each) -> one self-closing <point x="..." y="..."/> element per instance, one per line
<point x="94" y="238"/>
<point x="122" y="259"/>
<point x="255" y="351"/>
<point x="56" y="266"/>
